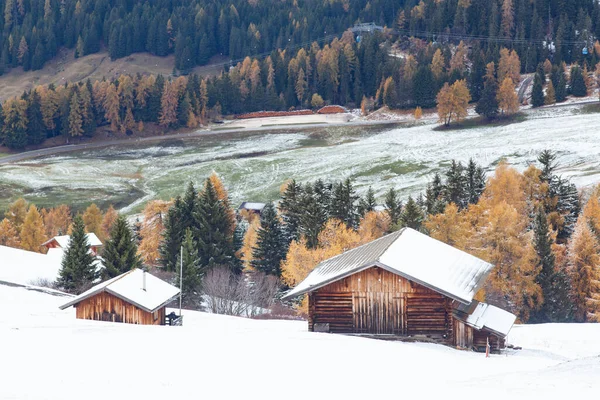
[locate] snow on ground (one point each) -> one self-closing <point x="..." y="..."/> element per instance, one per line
<point x="291" y="120"/>
<point x="254" y="165"/>
<point x="51" y="355"/>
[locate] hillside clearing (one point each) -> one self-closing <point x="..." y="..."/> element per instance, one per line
<point x="269" y="359"/>
<point x="66" y="68"/>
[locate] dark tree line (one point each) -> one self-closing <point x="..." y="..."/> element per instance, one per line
<point x="32" y="31"/>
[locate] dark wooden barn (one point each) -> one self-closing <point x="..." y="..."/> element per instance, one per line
<point x="404" y="284"/>
<point x="135" y="297"/>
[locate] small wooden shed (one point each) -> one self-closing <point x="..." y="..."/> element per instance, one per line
<point x="404" y="284"/>
<point x="135" y="297"/>
<point x="62" y="242"/>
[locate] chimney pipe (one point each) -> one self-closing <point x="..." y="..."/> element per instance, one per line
<point x="144" y="279"/>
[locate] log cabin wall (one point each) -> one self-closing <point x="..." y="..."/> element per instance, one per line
<point x="376" y="301"/>
<point x="106" y="307"/>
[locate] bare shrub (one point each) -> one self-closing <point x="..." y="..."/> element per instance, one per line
<point x="240" y="295"/>
<point x="43" y="282"/>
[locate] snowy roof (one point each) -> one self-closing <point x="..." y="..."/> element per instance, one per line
<point x="247" y="205"/>
<point x="63" y="241"/>
<point x="26" y="267"/>
<point x="492" y="318"/>
<point x="129" y="287"/>
<point x="412" y="255"/>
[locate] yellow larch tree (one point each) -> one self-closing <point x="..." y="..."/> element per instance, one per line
<point x="249" y="243"/>
<point x="418" y="113"/>
<point x="450" y="227"/>
<point x="509" y="66"/>
<point x="152" y="230"/>
<point x="16" y="212"/>
<point x="110" y="217"/>
<point x="452" y="102"/>
<point x="373" y="225"/>
<point x="584" y="267"/>
<point x="437" y="64"/>
<point x="92" y="218"/>
<point x="57" y="220"/>
<point x="508" y="102"/>
<point x="9" y="236"/>
<point x="223" y="195"/>
<point x="32" y="230"/>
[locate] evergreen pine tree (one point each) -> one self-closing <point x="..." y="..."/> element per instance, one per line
<point x="393" y="206"/>
<point x="475" y="181"/>
<point x="213" y="231"/>
<point x="192" y="271"/>
<point x="289" y="208"/>
<point x="36" y="131"/>
<point x="312" y="217"/>
<point x="537" y="94"/>
<point x="78" y="271"/>
<point x="120" y="252"/>
<point x="488" y="102"/>
<point x="542" y="242"/>
<point x="547" y="158"/>
<point x="577" y="84"/>
<point x="412" y="216"/>
<point x="455" y="190"/>
<point x="172" y="235"/>
<point x="343" y="203"/>
<point x="271" y="246"/>
<point x="323" y="195"/>
<point x="367" y="203"/>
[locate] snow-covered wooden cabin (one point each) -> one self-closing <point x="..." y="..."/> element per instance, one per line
<point x="405" y="284"/>
<point x="135" y="297"/>
<point x="251" y="207"/>
<point x="63" y="242"/>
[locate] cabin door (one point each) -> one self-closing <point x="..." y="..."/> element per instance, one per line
<point x="378" y="313"/>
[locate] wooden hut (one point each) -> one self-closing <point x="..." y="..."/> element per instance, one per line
<point x="62" y="242"/>
<point x="135" y="297"/>
<point x="404" y="284"/>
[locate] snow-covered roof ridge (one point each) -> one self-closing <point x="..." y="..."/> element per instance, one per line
<point x="63" y="240"/>
<point x="130" y="287"/>
<point x="410" y="254"/>
<point x="490" y="317"/>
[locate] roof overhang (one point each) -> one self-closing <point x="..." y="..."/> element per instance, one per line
<point x="113" y="293"/>
<point x="291" y="294"/>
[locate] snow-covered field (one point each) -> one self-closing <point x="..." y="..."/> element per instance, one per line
<point x="48" y="354"/>
<point x="254" y="165"/>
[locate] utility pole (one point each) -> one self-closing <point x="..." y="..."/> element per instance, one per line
<point x="180" y="278"/>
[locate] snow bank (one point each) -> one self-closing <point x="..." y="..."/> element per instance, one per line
<point x="54" y="356"/>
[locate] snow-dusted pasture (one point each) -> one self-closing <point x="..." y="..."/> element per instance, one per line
<point x="48" y="354"/>
<point x="254" y="165"/>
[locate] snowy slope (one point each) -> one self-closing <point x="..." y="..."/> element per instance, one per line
<point x="53" y="356"/>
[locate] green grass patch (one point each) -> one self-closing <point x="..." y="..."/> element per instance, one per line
<point x="293" y="123"/>
<point x="587" y="109"/>
<point x="478" y="122"/>
<point x="226" y="128"/>
<point x="391" y="170"/>
<point x="4" y="155"/>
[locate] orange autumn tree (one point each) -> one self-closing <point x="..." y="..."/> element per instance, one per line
<point x="452" y="102"/>
<point x="9" y="236"/>
<point x="110" y="217"/>
<point x="334" y="239"/>
<point x="249" y="242"/>
<point x="92" y="218"/>
<point x="16" y="212"/>
<point x="57" y="220"/>
<point x="152" y="229"/>
<point x="223" y="195"/>
<point x="450" y="227"/>
<point x="501" y="237"/>
<point x="32" y="230"/>
<point x="584" y="262"/>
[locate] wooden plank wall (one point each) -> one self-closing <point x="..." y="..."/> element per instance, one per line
<point x="106" y="307"/>
<point x="379" y="302"/>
